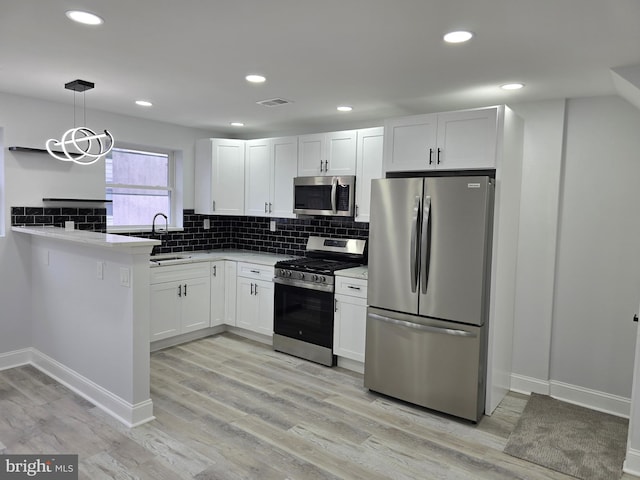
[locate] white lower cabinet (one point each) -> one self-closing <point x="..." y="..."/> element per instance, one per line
<point x="350" y="318"/>
<point x="230" y="272"/>
<point x="180" y="299"/>
<point x="218" y="301"/>
<point x="254" y="290"/>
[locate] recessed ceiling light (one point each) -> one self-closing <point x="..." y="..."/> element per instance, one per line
<point x="459" y="36"/>
<point x="237" y="124"/>
<point x="512" y="86"/>
<point x="255" y="78"/>
<point x="345" y="108"/>
<point x="143" y="103"/>
<point x="85" y="18"/>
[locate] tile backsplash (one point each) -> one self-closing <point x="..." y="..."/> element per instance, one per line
<point x="94" y="219"/>
<point x="237" y="232"/>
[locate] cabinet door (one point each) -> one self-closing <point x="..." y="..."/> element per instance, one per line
<point x="217" y="293"/>
<point x="195" y="304"/>
<point x="257" y="177"/>
<point x="285" y="169"/>
<point x="369" y="167"/>
<point x="410" y="143"/>
<point x="228" y="177"/>
<point x="311" y="155"/>
<point x="247" y="310"/>
<point x="164" y="310"/>
<point x="264" y="295"/>
<point x="341" y="153"/>
<point x="230" y="288"/>
<point x="467" y="139"/>
<point x="349" y="327"/>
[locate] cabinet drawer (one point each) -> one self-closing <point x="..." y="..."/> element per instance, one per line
<point x="354" y="287"/>
<point x="185" y="271"/>
<point x="257" y="272"/>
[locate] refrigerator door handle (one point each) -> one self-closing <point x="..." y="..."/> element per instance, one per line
<point x="417" y="326"/>
<point x="414" y="260"/>
<point x="334" y="192"/>
<point x="425" y="248"/>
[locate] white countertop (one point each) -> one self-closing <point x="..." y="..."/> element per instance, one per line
<point x="87" y="237"/>
<point x="268" y="259"/>
<point x="355" y="272"/>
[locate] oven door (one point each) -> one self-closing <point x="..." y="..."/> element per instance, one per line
<point x="304" y="314"/>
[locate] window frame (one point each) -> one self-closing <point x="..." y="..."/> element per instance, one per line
<point x="174" y="180"/>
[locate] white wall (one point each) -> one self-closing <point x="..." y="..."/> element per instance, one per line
<point x="542" y="161"/>
<point x="598" y="256"/>
<point x="29" y="122"/>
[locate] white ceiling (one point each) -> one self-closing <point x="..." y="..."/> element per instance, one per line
<point x="384" y="57"/>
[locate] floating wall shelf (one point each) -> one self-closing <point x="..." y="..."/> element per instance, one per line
<point x="78" y="200"/>
<point x="34" y="150"/>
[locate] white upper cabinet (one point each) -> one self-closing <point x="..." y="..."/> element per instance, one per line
<point x="369" y="167"/>
<point x="219" y="176"/>
<point x="271" y="165"/>
<point x="454" y="140"/>
<point x="332" y="153"/>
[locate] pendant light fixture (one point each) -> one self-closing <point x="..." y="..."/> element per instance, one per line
<point x="80" y="145"/>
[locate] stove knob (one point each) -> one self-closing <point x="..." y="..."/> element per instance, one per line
<point x="322" y="279"/>
<point x="283" y="272"/>
<point x="288" y="272"/>
<point x="316" y="278"/>
<point x="301" y="275"/>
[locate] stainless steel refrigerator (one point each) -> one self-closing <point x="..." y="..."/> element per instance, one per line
<point x="428" y="291"/>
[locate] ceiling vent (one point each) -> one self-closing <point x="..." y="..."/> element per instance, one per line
<point x="273" y="102"/>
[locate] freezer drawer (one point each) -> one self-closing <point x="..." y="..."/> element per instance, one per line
<point x="435" y="364"/>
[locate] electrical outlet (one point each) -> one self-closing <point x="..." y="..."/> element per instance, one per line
<point x="206" y="224"/>
<point x="272" y="225"/>
<point x="125" y="277"/>
<point x="100" y="270"/>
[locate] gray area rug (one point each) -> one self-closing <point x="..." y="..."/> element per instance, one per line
<point x="570" y="439"/>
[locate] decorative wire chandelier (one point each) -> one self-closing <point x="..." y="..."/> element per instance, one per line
<point x="80" y="145"/>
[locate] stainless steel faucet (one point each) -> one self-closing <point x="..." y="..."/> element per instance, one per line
<point x="153" y="223"/>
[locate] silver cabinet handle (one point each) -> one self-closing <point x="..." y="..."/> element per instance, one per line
<point x="431" y="156"/>
<point x="255" y="289"/>
<point x="418" y="326"/>
<point x="320" y="165"/>
<point x="185" y="289"/>
<point x="270" y="210"/>
<point x="251" y="288"/>
<point x="265" y="206"/>
<point x="438" y="157"/>
<point x="255" y="271"/>
<point x="214" y="205"/>
<point x="326" y="166"/>
<point x="179" y="290"/>
<point x="335" y="305"/>
<point x="413" y="257"/>
<point x="215" y="273"/>
<point x="352" y="287"/>
<point x="426" y="245"/>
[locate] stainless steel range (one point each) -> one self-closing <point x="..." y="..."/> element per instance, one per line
<point x="304" y="303"/>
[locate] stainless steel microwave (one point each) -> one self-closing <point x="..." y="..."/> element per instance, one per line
<point x="332" y="196"/>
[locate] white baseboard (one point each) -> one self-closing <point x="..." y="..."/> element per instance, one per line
<point x="129" y="414"/>
<point x="352" y="365"/>
<point x="186" y="337"/>
<point x="15" y="358"/>
<point x="257" y="337"/>
<point x="593" y="399"/>
<point x="527" y="385"/>
<point x="631" y="463"/>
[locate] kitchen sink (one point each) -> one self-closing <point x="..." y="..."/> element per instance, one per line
<point x="165" y="259"/>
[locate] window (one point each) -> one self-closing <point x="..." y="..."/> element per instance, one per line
<point x="140" y="184"/>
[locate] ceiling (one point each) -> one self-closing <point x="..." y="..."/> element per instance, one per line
<point x="383" y="57"/>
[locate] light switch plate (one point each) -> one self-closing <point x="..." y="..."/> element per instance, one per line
<point x="272" y="225"/>
<point x="125" y="277"/>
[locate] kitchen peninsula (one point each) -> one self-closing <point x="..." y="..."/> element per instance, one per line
<point x="90" y="310"/>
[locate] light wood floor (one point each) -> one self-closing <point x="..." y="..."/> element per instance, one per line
<point x="230" y="408"/>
